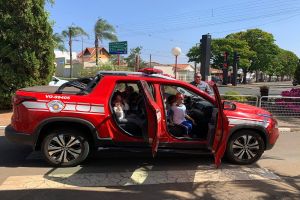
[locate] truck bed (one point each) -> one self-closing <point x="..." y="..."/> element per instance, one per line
<point x="50" y="89"/>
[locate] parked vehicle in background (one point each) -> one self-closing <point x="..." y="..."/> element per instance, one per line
<point x="217" y="80"/>
<point x="56" y="81"/>
<point x="133" y="110"/>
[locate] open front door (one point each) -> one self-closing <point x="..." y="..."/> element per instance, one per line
<point x="222" y="131"/>
<point x="154" y="118"/>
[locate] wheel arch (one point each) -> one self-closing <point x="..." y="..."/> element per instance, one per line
<point x="258" y="129"/>
<point x="86" y="127"/>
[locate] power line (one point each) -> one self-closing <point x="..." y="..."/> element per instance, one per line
<point x="197" y="18"/>
<point x="234" y="19"/>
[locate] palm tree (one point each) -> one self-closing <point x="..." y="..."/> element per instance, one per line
<point x="73" y="31"/>
<point x="59" y="42"/>
<point x="103" y="30"/>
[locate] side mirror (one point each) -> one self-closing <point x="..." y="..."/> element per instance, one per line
<point x="228" y="105"/>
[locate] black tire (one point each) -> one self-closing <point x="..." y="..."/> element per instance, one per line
<point x="69" y="148"/>
<point x="245" y="147"/>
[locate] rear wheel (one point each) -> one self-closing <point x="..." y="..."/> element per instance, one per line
<point x="245" y="147"/>
<point x="65" y="148"/>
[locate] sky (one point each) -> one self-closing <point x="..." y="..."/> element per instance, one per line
<point x="160" y="25"/>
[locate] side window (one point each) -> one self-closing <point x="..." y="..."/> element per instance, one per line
<point x="151" y="89"/>
<point x="188" y="114"/>
<point x="128" y="108"/>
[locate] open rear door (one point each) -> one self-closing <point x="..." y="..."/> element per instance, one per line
<point x="154" y="118"/>
<point x="222" y="131"/>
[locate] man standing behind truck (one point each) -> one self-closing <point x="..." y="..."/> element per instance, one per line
<point x="201" y="84"/>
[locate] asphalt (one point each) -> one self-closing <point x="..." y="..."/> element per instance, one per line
<point x="284" y="124"/>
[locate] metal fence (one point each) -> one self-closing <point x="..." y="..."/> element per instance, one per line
<point x="247" y="99"/>
<point x="281" y="106"/>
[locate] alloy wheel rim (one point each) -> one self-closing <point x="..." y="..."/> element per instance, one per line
<point x="64" y="148"/>
<point x="245" y="147"/>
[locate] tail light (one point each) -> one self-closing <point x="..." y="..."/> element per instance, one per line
<point x="19" y="99"/>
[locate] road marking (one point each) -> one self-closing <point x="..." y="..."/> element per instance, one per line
<point x="141" y="176"/>
<point x="284" y="129"/>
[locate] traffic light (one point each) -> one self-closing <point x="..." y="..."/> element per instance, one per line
<point x="236" y="57"/>
<point x="205" y="55"/>
<point x="225" y="62"/>
<point x="225" y="68"/>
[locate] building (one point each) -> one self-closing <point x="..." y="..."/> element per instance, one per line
<point x="62" y="64"/>
<point x="88" y="56"/>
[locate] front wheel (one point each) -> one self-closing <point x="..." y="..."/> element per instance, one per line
<point x="245" y="147"/>
<point x="65" y="148"/>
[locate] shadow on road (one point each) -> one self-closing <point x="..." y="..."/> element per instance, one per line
<point x="260" y="189"/>
<point x="129" y="164"/>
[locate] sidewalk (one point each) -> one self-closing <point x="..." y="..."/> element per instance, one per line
<point x="285" y="124"/>
<point x="5" y="117"/>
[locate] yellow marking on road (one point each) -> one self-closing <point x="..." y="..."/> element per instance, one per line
<point x="139" y="175"/>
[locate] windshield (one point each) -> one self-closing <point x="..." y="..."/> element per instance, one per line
<point x="189" y="93"/>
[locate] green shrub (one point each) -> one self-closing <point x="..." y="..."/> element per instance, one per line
<point x="92" y="71"/>
<point x="230" y="95"/>
<point x="26" y="47"/>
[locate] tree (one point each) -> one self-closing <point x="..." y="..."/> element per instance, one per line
<point x="219" y="46"/>
<point x="114" y="59"/>
<point x="263" y="44"/>
<point x="297" y="72"/>
<point x="103" y="30"/>
<point x="289" y="62"/>
<point x="194" y="54"/>
<point x="72" y="32"/>
<point x="26" y="47"/>
<point x="133" y="57"/>
<point x="59" y="42"/>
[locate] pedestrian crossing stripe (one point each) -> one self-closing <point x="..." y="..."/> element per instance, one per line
<point x="141" y="176"/>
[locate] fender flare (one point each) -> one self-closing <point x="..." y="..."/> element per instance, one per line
<point x="45" y="122"/>
<point x="262" y="131"/>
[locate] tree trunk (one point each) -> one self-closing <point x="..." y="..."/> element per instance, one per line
<point x="245" y="76"/>
<point x="96" y="47"/>
<point x="256" y="76"/>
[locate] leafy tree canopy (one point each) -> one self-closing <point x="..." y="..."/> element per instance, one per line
<point x="26" y="47"/>
<point x="131" y="59"/>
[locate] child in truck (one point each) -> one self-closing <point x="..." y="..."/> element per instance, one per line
<point x="179" y="115"/>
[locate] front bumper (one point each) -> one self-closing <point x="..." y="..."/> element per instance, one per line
<point x="17" y="137"/>
<point x="273" y="136"/>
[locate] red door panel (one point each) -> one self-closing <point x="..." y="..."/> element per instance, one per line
<point x="221" y="134"/>
<point x="154" y="118"/>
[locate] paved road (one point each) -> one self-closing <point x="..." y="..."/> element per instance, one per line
<point x="254" y="89"/>
<point x="128" y="175"/>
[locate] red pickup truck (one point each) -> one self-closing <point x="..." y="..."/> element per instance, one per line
<point x="68" y="122"/>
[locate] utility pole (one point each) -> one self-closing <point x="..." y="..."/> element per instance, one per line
<point x="150" y="61"/>
<point x="70" y="44"/>
<point x="82" y="51"/>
